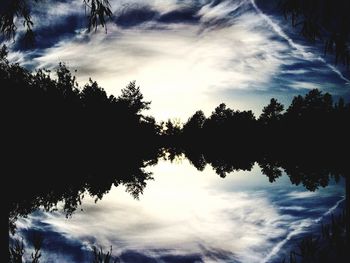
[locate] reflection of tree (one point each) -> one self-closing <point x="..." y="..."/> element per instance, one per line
<point x="197" y="160"/>
<point x="310" y="171"/>
<point x="63" y="141"/>
<point x="71" y="188"/>
<point x="271" y="169"/>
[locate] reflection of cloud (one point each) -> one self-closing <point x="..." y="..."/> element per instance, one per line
<point x="188" y="214"/>
<point x="299" y="228"/>
<point x="294" y="208"/>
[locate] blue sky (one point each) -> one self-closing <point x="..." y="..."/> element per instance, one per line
<point x="186" y="55"/>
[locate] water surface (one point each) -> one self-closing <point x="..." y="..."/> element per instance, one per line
<point x="185" y="215"/>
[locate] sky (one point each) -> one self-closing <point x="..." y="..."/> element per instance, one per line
<point x="185" y="55"/>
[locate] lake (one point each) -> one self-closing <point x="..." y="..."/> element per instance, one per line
<point x="187" y="215"/>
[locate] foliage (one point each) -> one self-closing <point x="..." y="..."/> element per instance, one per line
<point x="326" y="246"/>
<point x="99" y="10"/>
<point x="13" y="10"/>
<point x="101" y="257"/>
<point x="78" y="134"/>
<point x="324" y="19"/>
<point x="17" y="252"/>
<point x="133" y="98"/>
<point x="272" y="112"/>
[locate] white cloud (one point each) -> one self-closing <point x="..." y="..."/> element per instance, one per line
<point x="222" y="10"/>
<point x="301" y="195"/>
<point x="186" y="212"/>
<point x="179" y="66"/>
<point x="183" y="67"/>
<point x="181" y="212"/>
<point x="48" y="13"/>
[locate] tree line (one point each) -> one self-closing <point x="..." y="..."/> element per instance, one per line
<point x="312" y="120"/>
<point x="62" y="141"/>
<point x="50" y="118"/>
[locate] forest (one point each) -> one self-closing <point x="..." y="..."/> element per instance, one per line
<point x="58" y="135"/>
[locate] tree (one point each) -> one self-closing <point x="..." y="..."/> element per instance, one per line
<point x="133" y="98"/>
<point x="93" y="96"/>
<point x="221" y="114"/>
<point x="3" y="53"/>
<point x="12" y="10"/>
<point x="272" y="112"/>
<point x="66" y="83"/>
<point x="195" y="122"/>
<point x="296" y="108"/>
<point x="325" y="20"/>
<point x="172" y="128"/>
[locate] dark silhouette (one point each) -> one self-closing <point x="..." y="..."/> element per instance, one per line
<point x="62" y="141"/>
<point x="325" y="20"/>
<point x="326" y="245"/>
<point x="10" y="10"/>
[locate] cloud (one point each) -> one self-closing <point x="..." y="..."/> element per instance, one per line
<point x="48" y="35"/>
<point x="133" y="15"/>
<point x="186" y="214"/>
<point x="183" y="15"/>
<point x="301" y="195"/>
<point x="177" y="62"/>
<point x="217" y="10"/>
<point x="199" y="53"/>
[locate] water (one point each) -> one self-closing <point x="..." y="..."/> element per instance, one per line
<point x="185" y="215"/>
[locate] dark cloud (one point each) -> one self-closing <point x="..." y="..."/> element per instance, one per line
<point x="182" y="258"/>
<point x="216" y="2"/>
<point x="54" y="243"/>
<point x="48" y="35"/>
<point x="135" y="15"/>
<point x="130" y="256"/>
<point x="135" y="257"/>
<point x="217" y="254"/>
<point x="183" y="15"/>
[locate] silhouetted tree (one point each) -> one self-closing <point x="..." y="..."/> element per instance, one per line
<point x="13" y="10"/>
<point x="172" y="128"/>
<point x="323" y="19"/>
<point x="133" y="98"/>
<point x="272" y="113"/>
<point x="62" y="142"/>
<point x="70" y="141"/>
<point x="271" y="169"/>
<point x="93" y="96"/>
<point x="195" y="122"/>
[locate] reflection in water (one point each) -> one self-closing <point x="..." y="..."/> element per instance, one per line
<point x="88" y="146"/>
<point x="190" y="215"/>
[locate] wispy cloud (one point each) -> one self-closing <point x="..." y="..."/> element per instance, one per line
<point x="186" y="55"/>
<point x="186" y="213"/>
